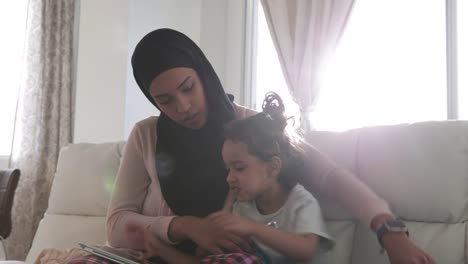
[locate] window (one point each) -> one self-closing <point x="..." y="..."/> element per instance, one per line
<point x="269" y="75"/>
<point x="389" y="68"/>
<point x="12" y="25"/>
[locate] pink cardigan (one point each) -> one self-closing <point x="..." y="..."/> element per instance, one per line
<point x="137" y="194"/>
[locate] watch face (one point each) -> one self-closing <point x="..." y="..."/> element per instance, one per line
<point x="396" y="223"/>
<point x="396" y="226"/>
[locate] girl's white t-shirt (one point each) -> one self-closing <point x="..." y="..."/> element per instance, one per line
<point x="301" y="214"/>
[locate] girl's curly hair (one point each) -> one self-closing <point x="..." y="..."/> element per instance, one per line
<point x="265" y="136"/>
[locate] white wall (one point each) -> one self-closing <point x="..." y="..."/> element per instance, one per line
<point x="108" y="101"/>
<point x="234" y="47"/>
<point x="213" y="36"/>
<point x="101" y="71"/>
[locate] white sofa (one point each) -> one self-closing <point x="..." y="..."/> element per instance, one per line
<point x="420" y="169"/>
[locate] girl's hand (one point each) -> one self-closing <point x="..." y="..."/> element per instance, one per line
<point x="401" y="250"/>
<point x="211" y="235"/>
<point x="233" y="223"/>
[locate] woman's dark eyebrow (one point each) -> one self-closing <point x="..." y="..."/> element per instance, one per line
<point x="182" y="84"/>
<point x="178" y="87"/>
<point x="236" y="162"/>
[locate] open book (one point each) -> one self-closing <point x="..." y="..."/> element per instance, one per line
<point x="106" y="254"/>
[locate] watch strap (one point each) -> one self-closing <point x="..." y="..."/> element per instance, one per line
<point x="387" y="226"/>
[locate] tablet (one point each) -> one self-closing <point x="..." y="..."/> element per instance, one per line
<point x="107" y="255"/>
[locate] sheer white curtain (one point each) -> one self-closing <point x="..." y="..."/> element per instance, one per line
<point x="44" y="114"/>
<point x="305" y="33"/>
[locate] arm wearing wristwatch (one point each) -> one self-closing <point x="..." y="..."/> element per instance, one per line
<point x="390" y="226"/>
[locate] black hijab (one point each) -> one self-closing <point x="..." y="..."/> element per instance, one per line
<point x="188" y="161"/>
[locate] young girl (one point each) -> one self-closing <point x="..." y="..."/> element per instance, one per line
<point x="283" y="219"/>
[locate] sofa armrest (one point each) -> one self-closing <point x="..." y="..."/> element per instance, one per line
<point x="8" y="183"/>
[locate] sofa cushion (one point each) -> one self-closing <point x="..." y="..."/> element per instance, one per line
<point x="340" y="146"/>
<point x="343" y="236"/>
<point x="466" y="243"/>
<point x="420" y="169"/>
<point x="65" y="232"/>
<point x="84" y="179"/>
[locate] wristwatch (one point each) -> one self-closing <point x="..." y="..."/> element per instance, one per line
<point x="394" y="226"/>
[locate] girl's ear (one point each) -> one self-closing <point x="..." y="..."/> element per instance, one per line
<point x="275" y="165"/>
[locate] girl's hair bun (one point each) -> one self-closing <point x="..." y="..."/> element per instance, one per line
<point x="273" y="107"/>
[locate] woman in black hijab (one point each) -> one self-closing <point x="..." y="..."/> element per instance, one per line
<point x="177" y="154"/>
<point x="172" y="177"/>
<point x="188" y="157"/>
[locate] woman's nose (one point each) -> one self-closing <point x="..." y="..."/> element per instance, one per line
<point x="183" y="105"/>
<point x="230" y="178"/>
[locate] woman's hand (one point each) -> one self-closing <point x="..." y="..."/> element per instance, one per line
<point x="143" y="239"/>
<point x="401" y="250"/>
<point x="150" y="244"/>
<point x="135" y="234"/>
<point x="155" y="247"/>
<point x="211" y="235"/>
